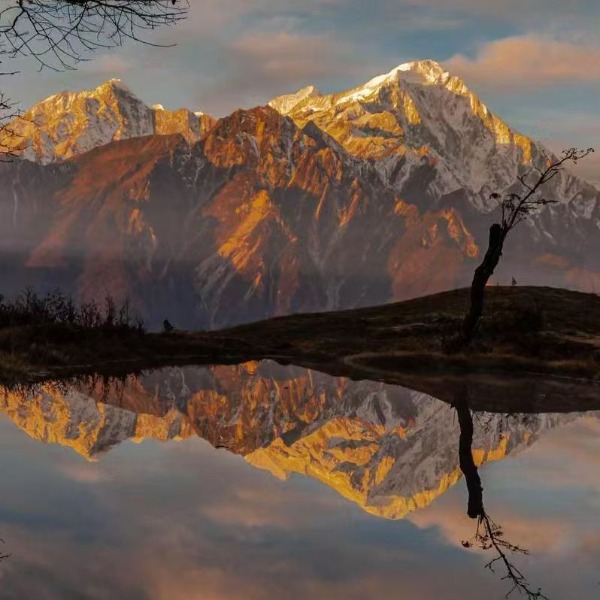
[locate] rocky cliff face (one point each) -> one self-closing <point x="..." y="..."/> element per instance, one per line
<point x="375" y="194"/>
<point x="389" y="449"/>
<point x="258" y="218"/>
<point x="437" y="145"/>
<point x="416" y="116"/>
<point x="72" y="123"/>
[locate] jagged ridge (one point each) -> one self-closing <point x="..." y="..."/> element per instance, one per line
<point x="374" y="194"/>
<point x="72" y="123"/>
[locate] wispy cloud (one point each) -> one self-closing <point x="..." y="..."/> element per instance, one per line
<point x="529" y="61"/>
<point x="240" y="53"/>
<point x="262" y="64"/>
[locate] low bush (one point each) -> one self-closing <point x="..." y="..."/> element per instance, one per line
<point x="54" y="308"/>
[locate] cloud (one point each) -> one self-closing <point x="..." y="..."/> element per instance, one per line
<point x="250" y="507"/>
<point x="529" y="61"/>
<point x="532" y="13"/>
<point x="266" y="62"/>
<point x="110" y="65"/>
<point x="539" y="535"/>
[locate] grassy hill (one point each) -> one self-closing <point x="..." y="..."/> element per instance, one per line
<point x="524" y="330"/>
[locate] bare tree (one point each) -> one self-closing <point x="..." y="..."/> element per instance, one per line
<point x="515" y="208"/>
<point x="57" y="33"/>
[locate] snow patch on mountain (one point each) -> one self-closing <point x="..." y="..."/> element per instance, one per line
<point x="420" y="122"/>
<point x="286" y="103"/>
<point x="72" y="123"/>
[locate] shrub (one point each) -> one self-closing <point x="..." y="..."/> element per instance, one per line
<point x="54" y="308"/>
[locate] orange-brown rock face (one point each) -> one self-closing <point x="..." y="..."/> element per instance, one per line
<point x="389" y="449"/>
<point x="98" y="225"/>
<point x="259" y="218"/>
<point x="192" y="126"/>
<point x="376" y="194"/>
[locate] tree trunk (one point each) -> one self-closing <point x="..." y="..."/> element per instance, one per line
<point x="482" y="275"/>
<point x="467" y="464"/>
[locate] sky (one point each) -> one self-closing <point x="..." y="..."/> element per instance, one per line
<point x="536" y="63"/>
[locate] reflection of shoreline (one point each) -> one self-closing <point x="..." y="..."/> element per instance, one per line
<point x="501" y="392"/>
<point x="389" y="449"/>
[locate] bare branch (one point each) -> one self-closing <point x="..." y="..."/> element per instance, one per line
<point x="516" y="208"/>
<point x="8" y="138"/>
<point x="58" y="33"/>
<point x="2" y="555"/>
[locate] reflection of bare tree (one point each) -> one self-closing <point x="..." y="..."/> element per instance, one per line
<point x="488" y="535"/>
<point x="467" y="465"/>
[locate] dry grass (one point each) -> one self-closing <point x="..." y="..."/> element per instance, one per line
<point x="543" y="330"/>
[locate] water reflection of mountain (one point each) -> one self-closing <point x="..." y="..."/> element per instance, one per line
<point x="387" y="448"/>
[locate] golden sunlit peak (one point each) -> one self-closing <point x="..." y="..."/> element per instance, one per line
<point x="426" y="65"/>
<point x="116" y="83"/>
<point x="429" y="69"/>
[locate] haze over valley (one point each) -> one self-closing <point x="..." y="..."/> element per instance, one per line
<point x="314" y="202"/>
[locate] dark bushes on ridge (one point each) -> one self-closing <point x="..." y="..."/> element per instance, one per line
<point x="54" y="308"/>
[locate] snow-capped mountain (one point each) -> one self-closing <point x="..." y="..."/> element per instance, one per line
<point x="389" y="449"/>
<point x="316" y="202"/>
<point x="420" y="115"/>
<point x="72" y="123"/>
<point x="258" y="218"/>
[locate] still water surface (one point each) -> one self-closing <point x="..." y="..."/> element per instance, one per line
<point x="259" y="481"/>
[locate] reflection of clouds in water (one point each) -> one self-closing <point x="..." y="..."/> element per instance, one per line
<point x="574" y="459"/>
<point x="251" y="507"/>
<point x="540" y="535"/>
<point x="547" y="501"/>
<point x="183" y="521"/>
<point x="84" y="473"/>
<point x="197" y="523"/>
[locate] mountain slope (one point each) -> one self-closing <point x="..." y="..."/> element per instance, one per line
<point x="419" y="114"/>
<point x="259" y="218"/>
<point x="375" y="194"/>
<point x="71" y="123"/>
<point x="436" y="144"/>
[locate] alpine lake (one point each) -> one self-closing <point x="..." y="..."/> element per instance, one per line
<point x="259" y="481"/>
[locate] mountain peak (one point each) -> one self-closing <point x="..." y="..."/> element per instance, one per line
<point x="426" y="67"/>
<point x="426" y="71"/>
<point x="288" y="102"/>
<point x="116" y="84"/>
<point x="73" y="122"/>
<point x="108" y="86"/>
